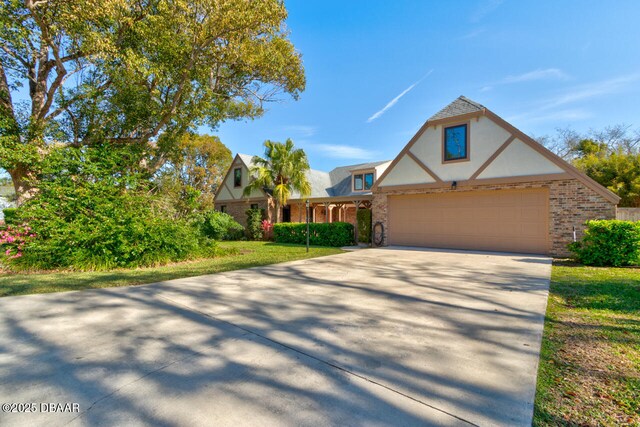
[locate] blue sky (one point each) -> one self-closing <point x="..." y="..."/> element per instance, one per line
<point x="376" y="70"/>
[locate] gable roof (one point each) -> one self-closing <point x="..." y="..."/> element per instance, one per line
<point x="458" y="107"/>
<point x="463" y="107"/>
<point x="336" y="183"/>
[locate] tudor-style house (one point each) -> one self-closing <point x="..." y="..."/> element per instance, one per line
<point x="466" y="180"/>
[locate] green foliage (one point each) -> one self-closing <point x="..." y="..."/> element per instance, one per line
<point x="282" y="171"/>
<point x="91" y="213"/>
<point x="320" y="234"/>
<point x="144" y="73"/>
<point x="609" y="243"/>
<point x="619" y="172"/>
<point x="364" y="225"/>
<point x="195" y="172"/>
<point x="221" y="226"/>
<point x="10" y="215"/>
<point x="254" y="223"/>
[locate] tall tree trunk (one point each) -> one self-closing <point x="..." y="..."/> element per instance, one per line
<point x="278" y="211"/>
<point x="22" y="184"/>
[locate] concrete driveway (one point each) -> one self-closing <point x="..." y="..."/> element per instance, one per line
<point x="372" y="337"/>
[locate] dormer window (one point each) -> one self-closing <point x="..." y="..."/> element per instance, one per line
<point x="237" y="177"/>
<point x="362" y="181"/>
<point x="455" y="145"/>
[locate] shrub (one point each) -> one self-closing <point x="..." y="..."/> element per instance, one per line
<point x="267" y="229"/>
<point x="221" y="226"/>
<point x="320" y="234"/>
<point x="364" y="225"/>
<point x="609" y="243"/>
<point x="89" y="215"/>
<point x="13" y="240"/>
<point x="10" y="215"/>
<point x="254" y="223"/>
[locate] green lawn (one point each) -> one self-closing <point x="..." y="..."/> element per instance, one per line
<point x="248" y="254"/>
<point x="589" y="372"/>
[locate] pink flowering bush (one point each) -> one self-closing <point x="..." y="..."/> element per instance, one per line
<point x="267" y="229"/>
<point x="13" y="240"/>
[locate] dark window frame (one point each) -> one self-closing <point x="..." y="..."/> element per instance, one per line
<point x="467" y="153"/>
<point x="223" y="208"/>
<point x="365" y="180"/>
<point x="355" y="176"/>
<point x="363" y="177"/>
<point x="254" y="206"/>
<point x="237" y="178"/>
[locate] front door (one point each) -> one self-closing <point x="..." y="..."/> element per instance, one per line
<point x="286" y="214"/>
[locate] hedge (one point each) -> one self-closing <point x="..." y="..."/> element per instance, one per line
<point x="364" y="225"/>
<point x="254" y="223"/>
<point x="609" y="243"/>
<point x="10" y="215"/>
<point x="320" y="234"/>
<point x="221" y="226"/>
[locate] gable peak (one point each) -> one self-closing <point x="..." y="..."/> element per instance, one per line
<point x="461" y="105"/>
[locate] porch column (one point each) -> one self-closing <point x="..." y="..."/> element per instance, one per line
<point x="355" y="229"/>
<point x="326" y="212"/>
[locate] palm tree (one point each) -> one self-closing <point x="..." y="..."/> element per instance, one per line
<point x="281" y="171"/>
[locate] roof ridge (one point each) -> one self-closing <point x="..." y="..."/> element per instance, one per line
<point x="460" y="106"/>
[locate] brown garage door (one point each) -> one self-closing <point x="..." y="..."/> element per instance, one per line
<point x="501" y="220"/>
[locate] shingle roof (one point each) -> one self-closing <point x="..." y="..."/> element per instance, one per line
<point x="458" y="107"/>
<point x="341" y="177"/>
<point x="326" y="184"/>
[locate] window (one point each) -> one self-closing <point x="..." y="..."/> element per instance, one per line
<point x="456" y="143"/>
<point x="237" y="177"/>
<point x="357" y="182"/>
<point x="363" y="181"/>
<point x="368" y="181"/>
<point x="254" y="206"/>
<point x="223" y="208"/>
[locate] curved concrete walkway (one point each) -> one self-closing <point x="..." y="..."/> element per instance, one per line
<point x="373" y="337"/>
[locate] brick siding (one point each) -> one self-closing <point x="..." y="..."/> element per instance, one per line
<point x="571" y="203"/>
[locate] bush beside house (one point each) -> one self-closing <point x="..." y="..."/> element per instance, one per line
<point x="609" y="243"/>
<point x="320" y="234"/>
<point x="364" y="225"/>
<point x="221" y="226"/>
<point x="254" y="223"/>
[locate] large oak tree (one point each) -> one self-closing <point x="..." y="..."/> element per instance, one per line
<point x="84" y="72"/>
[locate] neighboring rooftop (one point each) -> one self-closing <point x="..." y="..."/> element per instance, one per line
<point x="458" y="107"/>
<point x="328" y="184"/>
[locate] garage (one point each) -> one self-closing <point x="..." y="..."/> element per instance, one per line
<point x="497" y="220"/>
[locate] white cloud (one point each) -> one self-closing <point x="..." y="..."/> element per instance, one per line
<point x="591" y="90"/>
<point x="338" y="151"/>
<point x="546" y="74"/>
<point x="393" y="102"/>
<point x="302" y="130"/>
<point x="538" y="116"/>
<point x="486" y="8"/>
<point x="539" y="74"/>
<point x="471" y="35"/>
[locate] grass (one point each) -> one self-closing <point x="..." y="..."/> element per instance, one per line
<point x="246" y="254"/>
<point x="589" y="373"/>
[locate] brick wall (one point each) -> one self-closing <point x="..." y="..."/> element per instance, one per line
<point x="571" y="203"/>
<point x="238" y="209"/>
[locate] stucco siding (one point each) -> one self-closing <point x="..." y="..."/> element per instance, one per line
<point x="518" y="159"/>
<point x="485" y="137"/>
<point x="229" y="191"/>
<point x="407" y="171"/>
